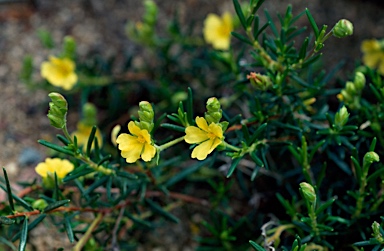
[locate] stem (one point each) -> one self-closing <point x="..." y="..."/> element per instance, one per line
<point x="169" y="144"/>
<point x="361" y="194"/>
<point x="312" y="216"/>
<point x="232" y="147"/>
<point x="88" y="234"/>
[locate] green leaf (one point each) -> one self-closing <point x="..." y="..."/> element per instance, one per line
<point x="240" y="14"/>
<point x="68" y="229"/>
<point x="303" y="49"/>
<point x="233" y="166"/>
<point x="173" y="127"/>
<point x="138" y="220"/>
<point x="56" y="147"/>
<point x="20" y="201"/>
<point x="312" y="22"/>
<point x="241" y="38"/>
<point x="9" y="190"/>
<point x="90" y="140"/>
<point x="31" y="226"/>
<point x="24" y="235"/>
<point x="158" y="209"/>
<point x="55" y="205"/>
<point x="257" y="34"/>
<point x="184" y="173"/>
<point x="126" y="175"/>
<point x="6" y="221"/>
<point x="256" y="246"/>
<point x="325" y="206"/>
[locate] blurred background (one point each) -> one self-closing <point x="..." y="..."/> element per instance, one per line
<point x="98" y="27"/>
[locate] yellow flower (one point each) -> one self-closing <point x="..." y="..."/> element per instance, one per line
<point x="373" y="54"/>
<point x="59" y="166"/>
<point x="217" y="31"/>
<point x="208" y="137"/>
<point x="59" y="72"/>
<point x="82" y="134"/>
<point x="137" y="145"/>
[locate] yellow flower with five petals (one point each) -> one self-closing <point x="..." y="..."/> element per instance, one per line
<point x="136" y="145"/>
<point x="208" y="137"/>
<point x="373" y="54"/>
<point x="217" y="30"/>
<point x="59" y="72"/>
<point x="56" y="165"/>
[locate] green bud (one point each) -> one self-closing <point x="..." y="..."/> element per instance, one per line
<point x="69" y="48"/>
<point x="260" y="81"/>
<point x="214" y="112"/>
<point x="369" y="158"/>
<point x="58" y="109"/>
<point x="308" y="192"/>
<point x="39" y="204"/>
<point x="359" y="80"/>
<point x="146" y="116"/>
<point x="89" y="113"/>
<point x="150" y="15"/>
<point x="376" y="232"/>
<point x="350" y="87"/>
<point x="343" y="28"/>
<point x="341" y="117"/>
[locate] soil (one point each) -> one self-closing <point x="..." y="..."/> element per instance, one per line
<point x="99" y="26"/>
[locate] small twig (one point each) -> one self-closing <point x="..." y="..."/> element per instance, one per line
<point x="88" y="234"/>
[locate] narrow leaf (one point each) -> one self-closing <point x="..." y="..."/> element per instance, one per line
<point x="241" y="38"/>
<point x="312" y="22"/>
<point x="90" y="140"/>
<point x="55" y="147"/>
<point x="256" y="246"/>
<point x="233" y="166"/>
<point x="240" y="13"/>
<point x="9" y="190"/>
<point x="24" y="235"/>
<point x="55" y="205"/>
<point x="158" y="209"/>
<point x="68" y="229"/>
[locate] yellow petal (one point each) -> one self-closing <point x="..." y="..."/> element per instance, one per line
<point x="201" y="151"/>
<point x="145" y="134"/>
<point x="216" y="130"/>
<point x="371" y="59"/>
<point x="65" y="168"/>
<point x="149" y="152"/>
<point x="41" y="169"/>
<point x="133" y="128"/>
<point x="211" y="25"/>
<point x="370" y="45"/>
<point x="126" y="142"/>
<point x="133" y="154"/>
<point x="202" y="123"/>
<point x="195" y="135"/>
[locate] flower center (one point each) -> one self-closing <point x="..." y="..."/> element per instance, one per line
<point x="211" y="135"/>
<point x="141" y="139"/>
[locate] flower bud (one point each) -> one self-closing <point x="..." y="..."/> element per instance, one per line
<point x="146" y="116"/>
<point x="89" y="113"/>
<point x="150" y="15"/>
<point x="214" y="112"/>
<point x="359" y="80"/>
<point x="58" y="109"/>
<point x="350" y="88"/>
<point x="308" y="192"/>
<point x="369" y="158"/>
<point x="376" y="232"/>
<point x="341" y="117"/>
<point x="69" y="47"/>
<point x="343" y="28"/>
<point x="259" y="81"/>
<point x="39" y="204"/>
